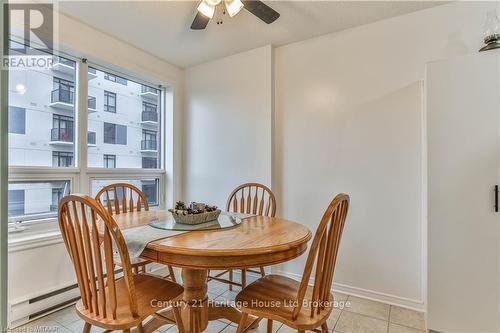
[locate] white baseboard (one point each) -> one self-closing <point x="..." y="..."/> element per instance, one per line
<point x="417" y="305"/>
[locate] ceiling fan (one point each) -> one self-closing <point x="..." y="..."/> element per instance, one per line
<point x="206" y="10"/>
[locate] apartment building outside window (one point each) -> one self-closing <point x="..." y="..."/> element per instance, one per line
<point x="109" y="161"/>
<point x="44" y="129"/>
<point x="109" y="101"/>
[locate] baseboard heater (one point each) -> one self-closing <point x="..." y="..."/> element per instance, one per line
<point x="24" y="311"/>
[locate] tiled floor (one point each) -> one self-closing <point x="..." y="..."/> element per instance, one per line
<point x="358" y="316"/>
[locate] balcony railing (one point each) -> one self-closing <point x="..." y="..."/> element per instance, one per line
<point x="147" y="89"/>
<point x="62" y="96"/>
<point x="150" y="116"/>
<point x="92" y="102"/>
<point x="61" y="134"/>
<point x="91" y="138"/>
<point x="149" y="145"/>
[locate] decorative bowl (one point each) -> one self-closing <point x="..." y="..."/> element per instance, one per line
<point x="195" y="218"/>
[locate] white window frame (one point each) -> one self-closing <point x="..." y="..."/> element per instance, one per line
<point x="81" y="175"/>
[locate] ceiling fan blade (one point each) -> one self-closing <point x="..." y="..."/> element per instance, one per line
<point x="261" y="10"/>
<point x="200" y="21"/>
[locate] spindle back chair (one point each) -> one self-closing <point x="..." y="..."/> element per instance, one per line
<point x="94" y="243"/>
<point x="120" y="198"/>
<point x="322" y="255"/>
<point x="248" y="198"/>
<point x="252" y="198"/>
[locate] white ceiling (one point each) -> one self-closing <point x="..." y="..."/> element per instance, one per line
<point x="162" y="27"/>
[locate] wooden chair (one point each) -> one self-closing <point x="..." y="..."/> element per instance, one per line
<point x="249" y="198"/>
<point x="120" y="198"/>
<point x="93" y="239"/>
<point x="280" y="298"/>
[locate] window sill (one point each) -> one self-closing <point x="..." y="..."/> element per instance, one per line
<point x="36" y="235"/>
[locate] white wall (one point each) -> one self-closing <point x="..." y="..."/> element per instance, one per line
<point x="228" y="125"/>
<point x="349" y="118"/>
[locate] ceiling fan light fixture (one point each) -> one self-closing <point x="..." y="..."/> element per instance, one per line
<point x="206" y="9"/>
<point x="233" y="7"/>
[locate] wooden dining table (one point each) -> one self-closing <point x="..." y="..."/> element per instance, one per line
<point x="256" y="241"/>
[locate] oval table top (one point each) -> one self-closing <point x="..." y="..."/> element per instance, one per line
<point x="257" y="241"/>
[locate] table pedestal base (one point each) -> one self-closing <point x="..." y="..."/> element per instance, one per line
<point x="195" y="309"/>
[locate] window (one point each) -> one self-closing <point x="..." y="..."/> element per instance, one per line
<point x="115" y="134"/>
<point x="63" y="92"/>
<point x="17" y="120"/>
<point x="62" y="159"/>
<point x="109" y="161"/>
<point x="150" y="189"/>
<point x="149" y="140"/>
<point x="31" y="200"/>
<point x="109" y="102"/>
<point x="45" y="117"/>
<point x="149" y="112"/>
<point x="149" y="163"/>
<point x="57" y="195"/>
<point x="115" y="78"/>
<point x="62" y="128"/>
<point x="15" y="202"/>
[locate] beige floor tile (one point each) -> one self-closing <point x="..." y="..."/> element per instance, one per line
<point x="77" y="327"/>
<point x="65" y="316"/>
<point x="230" y="329"/>
<point x="407" y="317"/>
<point x="367" y="307"/>
<point x="334" y="317"/>
<point x="350" y="322"/>
<point x="393" y="328"/>
<point x="45" y="324"/>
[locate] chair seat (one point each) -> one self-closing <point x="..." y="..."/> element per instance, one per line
<point x="150" y="292"/>
<point x="274" y="297"/>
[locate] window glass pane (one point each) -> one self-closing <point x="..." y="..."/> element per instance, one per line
<point x="150" y="187"/>
<point x="36" y="98"/>
<point x="30" y="200"/>
<point x="17" y="120"/>
<point x="127" y="120"/>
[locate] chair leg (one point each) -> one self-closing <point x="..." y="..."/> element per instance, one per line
<point x="140" y="329"/>
<point x="243" y="278"/>
<point x="269" y="326"/>
<point x="262" y="271"/>
<point x="243" y="321"/>
<point x="171" y="273"/>
<point x="324" y="327"/>
<point x="178" y="320"/>
<point x="231" y="279"/>
<point x="86" y="328"/>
